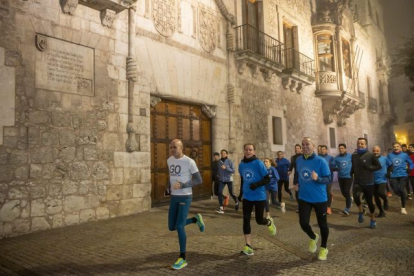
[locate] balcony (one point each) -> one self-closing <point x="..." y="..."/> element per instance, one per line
<point x="258" y="51"/>
<point x="299" y="70"/>
<point x="362" y="99"/>
<point x="372" y="105"/>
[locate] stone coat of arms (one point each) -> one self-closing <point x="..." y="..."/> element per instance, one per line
<point x="207" y="29"/>
<point x="163" y="16"/>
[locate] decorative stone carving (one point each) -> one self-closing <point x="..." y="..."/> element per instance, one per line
<point x="131" y="69"/>
<point x="254" y="68"/>
<point x="179" y="27"/>
<point x="267" y="75"/>
<point x="207" y="29"/>
<point x="241" y="65"/>
<point x="69" y="6"/>
<point x="230" y="93"/>
<point x="41" y="42"/>
<point x="230" y="40"/>
<point x="194" y="9"/>
<point x="210" y="111"/>
<point x="154" y="101"/>
<point x="147" y="9"/>
<point x="163" y="16"/>
<point x="223" y="9"/>
<point x="108" y="17"/>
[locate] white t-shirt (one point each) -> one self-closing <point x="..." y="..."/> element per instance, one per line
<point x="181" y="170"/>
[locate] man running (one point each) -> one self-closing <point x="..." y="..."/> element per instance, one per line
<point x="364" y="164"/>
<point x="298" y="153"/>
<point x="184" y="175"/>
<point x="411" y="176"/>
<point x="380" y="181"/>
<point x="314" y="174"/>
<point x="214" y="172"/>
<point x="254" y="177"/>
<point x="225" y="177"/>
<point x="282" y="167"/>
<point x="328" y="158"/>
<point x="399" y="176"/>
<point x="343" y="164"/>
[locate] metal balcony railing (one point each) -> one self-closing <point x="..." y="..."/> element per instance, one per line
<point x="299" y="62"/>
<point x="251" y="39"/>
<point x="372" y="104"/>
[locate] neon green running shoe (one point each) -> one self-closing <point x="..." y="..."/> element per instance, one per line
<point x="272" y="227"/>
<point x="323" y="254"/>
<point x="313" y="244"/>
<point x="247" y="250"/>
<point x="200" y="222"/>
<point x="180" y="263"/>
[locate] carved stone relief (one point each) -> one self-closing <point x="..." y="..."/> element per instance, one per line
<point x="206" y="29"/>
<point x="69" y="6"/>
<point x="327" y="79"/>
<point x="108" y="17"/>
<point x="163" y="16"/>
<point x="209" y="110"/>
<point x="154" y="101"/>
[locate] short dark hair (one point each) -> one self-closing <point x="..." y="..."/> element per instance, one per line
<point x="363" y="138"/>
<point x="324" y="146"/>
<point x="297" y="145"/>
<point x="404" y="145"/>
<point x="249" y="144"/>
<point x="279" y="151"/>
<point x="411" y="145"/>
<point x="224" y="151"/>
<point x="216" y="153"/>
<point x="342" y="145"/>
<point x="396" y="143"/>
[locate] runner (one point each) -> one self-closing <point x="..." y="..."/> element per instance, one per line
<point x="399" y="176"/>
<point x="343" y="163"/>
<point x="184" y="175"/>
<point x="298" y="153"/>
<point x="214" y="172"/>
<point x="407" y="185"/>
<point x="254" y="177"/>
<point x="282" y="167"/>
<point x="225" y="177"/>
<point x="314" y="174"/>
<point x="328" y="158"/>
<point x="411" y="176"/>
<point x="364" y="164"/>
<point x="380" y="181"/>
<point x="271" y="188"/>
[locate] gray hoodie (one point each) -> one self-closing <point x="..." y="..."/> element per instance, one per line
<point x="225" y="175"/>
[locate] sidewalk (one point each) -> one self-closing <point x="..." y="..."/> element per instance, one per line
<point x="142" y="245"/>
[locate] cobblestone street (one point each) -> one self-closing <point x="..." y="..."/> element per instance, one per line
<point x="142" y="245"/>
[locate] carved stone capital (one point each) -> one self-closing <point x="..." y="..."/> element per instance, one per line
<point x="299" y="87"/>
<point x="209" y="110"/>
<point x="255" y="69"/>
<point x="131" y="69"/>
<point x="241" y="65"/>
<point x="69" y="6"/>
<point x="154" y="100"/>
<point x="108" y="17"/>
<point x="267" y="75"/>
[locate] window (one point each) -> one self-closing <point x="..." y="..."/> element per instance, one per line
<point x="277" y="131"/>
<point x="346" y="57"/>
<point x="332" y="138"/>
<point x="325" y="53"/>
<point x="290" y="36"/>
<point x="369" y="86"/>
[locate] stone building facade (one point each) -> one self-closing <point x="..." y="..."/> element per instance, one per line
<point x="93" y="91"/>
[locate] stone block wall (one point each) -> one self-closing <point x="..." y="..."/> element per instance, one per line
<point x="63" y="160"/>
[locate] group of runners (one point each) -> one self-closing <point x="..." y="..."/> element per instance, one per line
<point x="367" y="173"/>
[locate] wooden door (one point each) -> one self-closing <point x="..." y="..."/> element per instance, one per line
<point x="171" y="120"/>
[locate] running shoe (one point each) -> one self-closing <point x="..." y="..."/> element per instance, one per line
<point x="381" y="215"/>
<point x="226" y="201"/>
<point x="329" y="211"/>
<point x="180" y="263"/>
<point x="373" y="224"/>
<point x="313" y="244"/>
<point x="247" y="250"/>
<point x="323" y="254"/>
<point x="200" y="223"/>
<point x="361" y="217"/>
<point x="403" y="211"/>
<point x="272" y="227"/>
<point x="220" y="210"/>
<point x="291" y="197"/>
<point x="409" y="197"/>
<point x="236" y="206"/>
<point x="389" y="194"/>
<point x="283" y="207"/>
<point x="346" y="212"/>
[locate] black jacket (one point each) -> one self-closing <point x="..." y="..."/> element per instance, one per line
<point x="363" y="167"/>
<point x="214" y="170"/>
<point x="293" y="166"/>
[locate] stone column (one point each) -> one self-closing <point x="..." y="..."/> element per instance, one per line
<point x="131" y="74"/>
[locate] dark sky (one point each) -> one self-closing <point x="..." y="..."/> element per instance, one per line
<point x="398" y="20"/>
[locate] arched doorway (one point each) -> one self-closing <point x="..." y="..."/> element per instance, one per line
<point x="170" y="120"/>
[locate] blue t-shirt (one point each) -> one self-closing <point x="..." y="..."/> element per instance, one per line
<point x="400" y="161"/>
<point x="252" y="172"/>
<point x="380" y="176"/>
<point x="310" y="190"/>
<point x="274" y="177"/>
<point x="283" y="168"/>
<point x="343" y="164"/>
